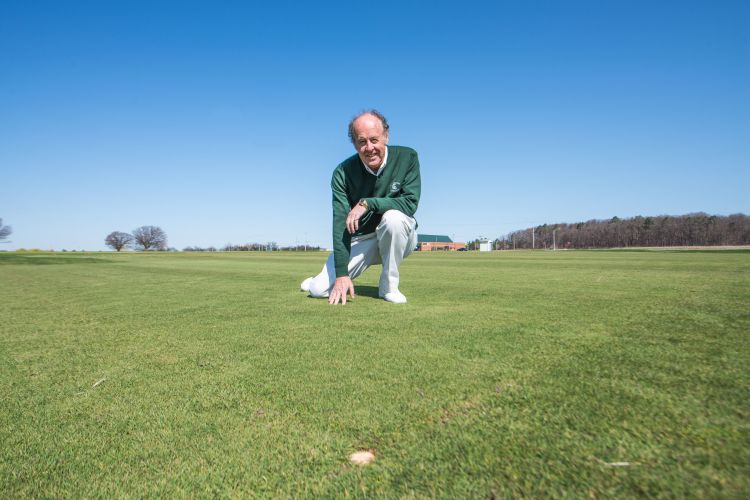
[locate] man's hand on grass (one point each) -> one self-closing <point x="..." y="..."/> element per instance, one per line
<point x="340" y="288"/>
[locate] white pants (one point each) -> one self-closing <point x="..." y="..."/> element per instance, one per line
<point x="393" y="239"/>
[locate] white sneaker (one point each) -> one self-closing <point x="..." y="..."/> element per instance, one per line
<point x="395" y="297"/>
<point x="305" y="286"/>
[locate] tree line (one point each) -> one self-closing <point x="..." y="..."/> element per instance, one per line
<point x="154" y="238"/>
<point x="271" y="246"/>
<point x="696" y="229"/>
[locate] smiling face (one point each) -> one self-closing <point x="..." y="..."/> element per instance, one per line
<point x="370" y="140"/>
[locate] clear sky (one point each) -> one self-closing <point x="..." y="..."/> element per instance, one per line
<point x="221" y="121"/>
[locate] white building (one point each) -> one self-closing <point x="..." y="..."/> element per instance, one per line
<point x="484" y="245"/>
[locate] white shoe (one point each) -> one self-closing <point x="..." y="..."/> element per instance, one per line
<point x="395" y="297"/>
<point x="305" y="286"/>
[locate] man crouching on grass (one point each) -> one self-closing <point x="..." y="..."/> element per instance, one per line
<point x="375" y="196"/>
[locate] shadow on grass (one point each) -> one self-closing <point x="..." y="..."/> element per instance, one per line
<point x="37" y="260"/>
<point x="366" y="291"/>
<point x="362" y="291"/>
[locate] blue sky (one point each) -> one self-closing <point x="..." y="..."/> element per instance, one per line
<point x="221" y="122"/>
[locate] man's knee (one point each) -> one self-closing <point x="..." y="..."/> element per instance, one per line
<point x="393" y="221"/>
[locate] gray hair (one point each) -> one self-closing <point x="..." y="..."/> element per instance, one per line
<point x="374" y="112"/>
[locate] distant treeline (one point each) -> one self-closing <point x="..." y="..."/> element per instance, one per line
<point x="271" y="246"/>
<point x="697" y="229"/>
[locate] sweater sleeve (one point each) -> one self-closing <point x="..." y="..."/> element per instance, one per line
<point x="408" y="199"/>
<point x="342" y="240"/>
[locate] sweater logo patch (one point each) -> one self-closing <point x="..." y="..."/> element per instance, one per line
<point x="395" y="187"/>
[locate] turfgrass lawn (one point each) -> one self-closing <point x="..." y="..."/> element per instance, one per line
<point x="513" y="373"/>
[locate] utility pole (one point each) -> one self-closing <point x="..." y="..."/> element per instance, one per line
<point x="554" y="242"/>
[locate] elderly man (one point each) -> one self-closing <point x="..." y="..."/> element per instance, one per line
<point x="375" y="196"/>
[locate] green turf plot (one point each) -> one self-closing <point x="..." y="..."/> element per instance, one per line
<point x="506" y="373"/>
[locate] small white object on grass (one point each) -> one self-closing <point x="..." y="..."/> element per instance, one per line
<point x="614" y="464"/>
<point x="98" y="382"/>
<point x="362" y="457"/>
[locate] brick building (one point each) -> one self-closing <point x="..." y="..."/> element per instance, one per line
<point x="429" y="242"/>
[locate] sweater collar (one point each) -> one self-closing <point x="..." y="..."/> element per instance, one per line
<point x="382" y="166"/>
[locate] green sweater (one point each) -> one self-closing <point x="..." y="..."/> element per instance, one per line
<point x="397" y="187"/>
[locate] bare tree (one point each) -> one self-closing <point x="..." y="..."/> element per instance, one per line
<point x="118" y="240"/>
<point x="150" y="238"/>
<point x="4" y="230"/>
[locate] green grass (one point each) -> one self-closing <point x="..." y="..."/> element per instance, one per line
<point x="506" y="374"/>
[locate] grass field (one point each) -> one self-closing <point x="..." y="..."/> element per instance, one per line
<point x="510" y="373"/>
